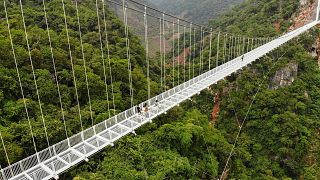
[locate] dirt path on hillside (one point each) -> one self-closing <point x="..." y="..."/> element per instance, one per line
<point x="216" y="109"/>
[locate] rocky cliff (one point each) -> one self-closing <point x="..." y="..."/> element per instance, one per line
<point x="284" y="76"/>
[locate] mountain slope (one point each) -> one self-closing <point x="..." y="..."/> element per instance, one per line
<point x="280" y="137"/>
<point x="136" y="23"/>
<point x="14" y="124"/>
<point x="195" y="10"/>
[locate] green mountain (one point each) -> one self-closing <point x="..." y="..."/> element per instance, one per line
<point x="136" y="23"/>
<point x="195" y="10"/>
<point x="279" y="139"/>
<point x="14" y="124"/>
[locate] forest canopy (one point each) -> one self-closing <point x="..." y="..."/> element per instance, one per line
<point x="280" y="137"/>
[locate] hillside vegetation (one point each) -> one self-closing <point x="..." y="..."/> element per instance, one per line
<point x="195" y="10"/>
<point x="281" y="134"/>
<point x="14" y="124"/>
<point x="280" y="139"/>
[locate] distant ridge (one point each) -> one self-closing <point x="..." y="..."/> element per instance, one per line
<point x="195" y="10"/>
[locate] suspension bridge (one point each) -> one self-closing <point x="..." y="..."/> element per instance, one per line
<point x="58" y="158"/>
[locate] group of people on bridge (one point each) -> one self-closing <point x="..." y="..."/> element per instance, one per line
<point x="145" y="109"/>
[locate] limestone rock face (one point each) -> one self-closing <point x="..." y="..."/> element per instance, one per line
<point x="303" y="2"/>
<point x="285" y="76"/>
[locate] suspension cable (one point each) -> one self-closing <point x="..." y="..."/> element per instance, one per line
<point x="108" y="56"/>
<point x="241" y="40"/>
<point x="173" y="54"/>
<point x="184" y="54"/>
<point x="178" y="52"/>
<point x="200" y="51"/>
<point x="194" y="48"/>
<point x="6" y="153"/>
<point x="234" y="110"/>
<point x="203" y="47"/>
<point x="84" y="63"/>
<point x="164" y="53"/>
<point x="232" y="48"/>
<point x="56" y="78"/>
<point x="218" y="47"/>
<point x="235" y="47"/>
<point x="34" y="76"/>
<point x="248" y="45"/>
<point x="239" y="46"/>
<point x="102" y="58"/>
<point x="55" y="72"/>
<point x="166" y="20"/>
<point x="244" y="44"/>
<point x="256" y="44"/>
<point x="245" y="118"/>
<point x="160" y="50"/>
<point x="19" y="79"/>
<point x="169" y="15"/>
<point x="210" y="51"/>
<point x="229" y="49"/>
<point x="224" y="48"/>
<point x="147" y="49"/>
<point x="125" y="17"/>
<point x="73" y="73"/>
<point x="252" y="43"/>
<point x="190" y="50"/>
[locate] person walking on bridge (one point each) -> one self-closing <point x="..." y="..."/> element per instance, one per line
<point x="146" y="110"/>
<point x="139" y="110"/>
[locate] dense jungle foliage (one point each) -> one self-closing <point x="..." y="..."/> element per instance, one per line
<point x="280" y="139"/>
<point x="281" y="134"/>
<point x="14" y="124"/>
